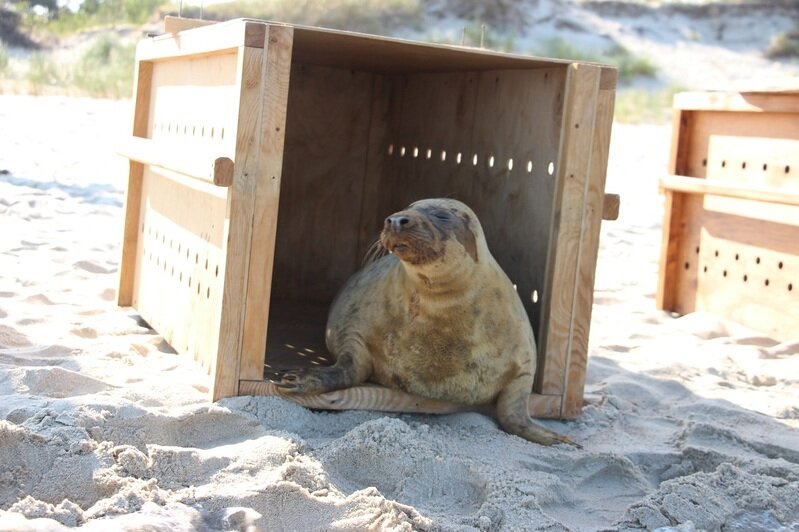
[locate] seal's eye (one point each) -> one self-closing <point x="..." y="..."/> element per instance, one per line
<point x="442" y="215"/>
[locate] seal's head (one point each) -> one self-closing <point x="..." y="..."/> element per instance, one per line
<point x="435" y="235"/>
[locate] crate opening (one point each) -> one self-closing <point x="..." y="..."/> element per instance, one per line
<point x="361" y="143"/>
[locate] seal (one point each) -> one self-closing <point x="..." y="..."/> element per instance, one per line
<point x="436" y="317"/>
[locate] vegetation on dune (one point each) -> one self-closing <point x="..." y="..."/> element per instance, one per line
<point x="369" y="16"/>
<point x="636" y="106"/>
<point x="630" y="66"/>
<point x="784" y="44"/>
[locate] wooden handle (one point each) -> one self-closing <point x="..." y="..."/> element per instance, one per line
<point x="188" y="161"/>
<point x="610" y="207"/>
<point x="694" y="185"/>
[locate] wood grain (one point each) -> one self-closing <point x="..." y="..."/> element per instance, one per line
<point x="277" y="68"/>
<point x="567" y="228"/>
<point x="589" y="249"/>
<point x="213" y="39"/>
<point x="205" y="166"/>
<point x="240" y="226"/>
<point x="127" y="263"/>
<point x="710" y="187"/>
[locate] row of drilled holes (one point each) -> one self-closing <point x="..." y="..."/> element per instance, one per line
<point x="744" y="164"/>
<point x="163" y="264"/>
<point x="745" y="278"/>
<point x="194" y="131"/>
<point x="414" y="152"/>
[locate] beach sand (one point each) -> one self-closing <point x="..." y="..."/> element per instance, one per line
<point x="693" y="421"/>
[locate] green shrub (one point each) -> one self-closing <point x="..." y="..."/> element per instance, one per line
<point x="381" y="17"/>
<point x="3" y="58"/>
<point x="784" y="45"/>
<point x="42" y="71"/>
<point x="630" y="66"/>
<point x="637" y="106"/>
<point x="106" y="68"/>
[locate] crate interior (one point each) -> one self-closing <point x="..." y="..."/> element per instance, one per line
<point x="370" y="131"/>
<point x="740" y="258"/>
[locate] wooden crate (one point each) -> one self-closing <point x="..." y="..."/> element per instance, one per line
<point x="264" y="158"/>
<point x="731" y="221"/>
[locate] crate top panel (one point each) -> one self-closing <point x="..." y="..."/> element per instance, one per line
<point x="358" y="51"/>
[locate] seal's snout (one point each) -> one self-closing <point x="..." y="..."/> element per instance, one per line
<point x="396" y="222"/>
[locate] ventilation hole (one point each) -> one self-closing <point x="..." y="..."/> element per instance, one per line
<point x="216" y="271"/>
<point x="415" y="152"/>
<point x="173" y="271"/>
<point x="779" y="265"/>
<point x="187" y="253"/>
<point x="787" y="169"/>
<point x="474" y="160"/>
<point x="723" y="164"/>
<point x="765" y="166"/>
<point x="189" y="281"/>
<point x="458" y="158"/>
<point x="164" y="265"/>
<point x="724" y="273"/>
<point x="746" y="277"/>
<point x="402" y="151"/>
<point x="222" y="134"/>
<point x="766" y="282"/>
<point x="529" y="167"/>
<point x="158" y="261"/>
<point x="687" y="265"/>
<point x="534" y="296"/>
<point x="697" y="250"/>
<point x="198" y="288"/>
<point x="790" y="287"/>
<point x="510" y="164"/>
<point x="206" y="264"/>
<point x="551" y="168"/>
<point x="757" y="260"/>
<point x="193" y="131"/>
<point x="169" y="128"/>
<point x="196" y="258"/>
<point x="491" y="162"/>
<point x="202" y="131"/>
<point x="212" y="132"/>
<point x="429" y="154"/>
<point x="704" y="269"/>
<point x="443" y="155"/>
<point x="185" y="127"/>
<point x="704" y="162"/>
<point x="717" y="253"/>
<point x="207" y="293"/>
<point x="743" y="165"/>
<point x="180" y="277"/>
<point x="391" y="149"/>
<point x="736" y="256"/>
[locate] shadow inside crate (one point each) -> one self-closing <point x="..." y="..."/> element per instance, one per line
<point x="296" y="335"/>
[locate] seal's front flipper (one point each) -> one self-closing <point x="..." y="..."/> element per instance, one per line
<point x="321" y="379"/>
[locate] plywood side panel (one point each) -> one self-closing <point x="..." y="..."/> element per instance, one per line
<point x="763" y="137"/>
<point x="573" y="168"/>
<point x="277" y="68"/>
<point x="487" y="139"/>
<point x="180" y="261"/>
<point x="743" y="268"/>
<point x="326" y="145"/>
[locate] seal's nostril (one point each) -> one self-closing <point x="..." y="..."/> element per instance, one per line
<point x="397" y="221"/>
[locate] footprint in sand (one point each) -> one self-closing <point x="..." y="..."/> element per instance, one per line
<point x="387" y="454"/>
<point x="93" y="267"/>
<point x="54" y="382"/>
<point x="39" y="299"/>
<point x="7" y="294"/>
<point x="84" y="332"/>
<point x="10" y="337"/>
